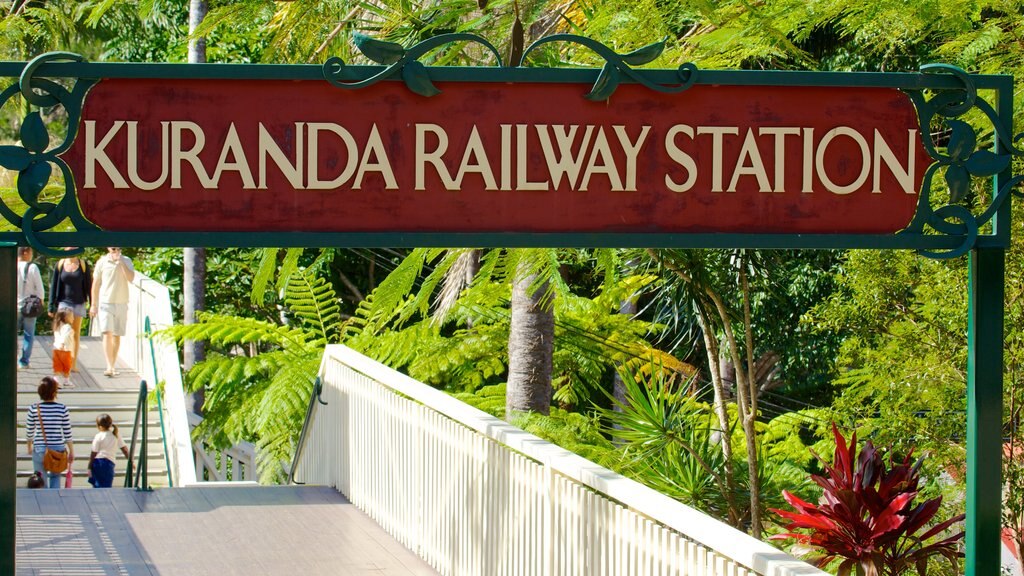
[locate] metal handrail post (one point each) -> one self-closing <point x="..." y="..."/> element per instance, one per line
<point x="314" y="397"/>
<point x="159" y="403"/>
<point x="143" y="477"/>
<point x="130" y="472"/>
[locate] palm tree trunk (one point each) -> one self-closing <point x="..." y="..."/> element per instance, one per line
<point x="473" y="256"/>
<point x="194" y="281"/>
<point x="530" y="347"/>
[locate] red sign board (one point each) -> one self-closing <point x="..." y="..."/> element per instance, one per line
<point x="283" y="155"/>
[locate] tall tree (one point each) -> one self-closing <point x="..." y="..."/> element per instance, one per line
<point x="194" y="280"/>
<point x="718" y="285"/>
<point x="530" y="344"/>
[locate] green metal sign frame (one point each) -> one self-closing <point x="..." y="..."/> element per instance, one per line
<point x="941" y="94"/>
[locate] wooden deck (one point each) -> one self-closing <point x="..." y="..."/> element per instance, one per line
<point x="217" y="530"/>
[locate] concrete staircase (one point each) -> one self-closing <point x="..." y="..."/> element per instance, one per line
<point x="85" y="406"/>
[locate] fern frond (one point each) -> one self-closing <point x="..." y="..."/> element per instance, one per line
<point x="393" y="290"/>
<point x="418" y="303"/>
<point x="225" y="331"/>
<point x="265" y="269"/>
<point x="312" y="299"/>
<point x="289" y="267"/>
<point x="238" y="14"/>
<point x="287" y="395"/>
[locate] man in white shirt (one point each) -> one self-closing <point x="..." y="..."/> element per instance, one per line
<point x="29" y="283"/>
<point x="110" y="278"/>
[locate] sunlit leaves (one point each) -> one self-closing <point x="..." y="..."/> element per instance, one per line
<point x="259" y="375"/>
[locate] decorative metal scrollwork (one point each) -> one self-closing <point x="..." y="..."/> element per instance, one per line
<point x="34" y="159"/>
<point x="399" y="60"/>
<point x="961" y="161"/>
<point x="616" y="65"/>
<point x="405" y="62"/>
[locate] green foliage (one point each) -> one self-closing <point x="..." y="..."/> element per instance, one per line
<point x="312" y="30"/>
<point x="903" y="359"/>
<point x="575" y="432"/>
<point x="312" y="299"/>
<point x="591" y="336"/>
<point x="490" y="399"/>
<point x="578" y="433"/>
<point x="258" y="375"/>
<point x="668" y="438"/>
<point x="229" y="292"/>
<point x="671" y="442"/>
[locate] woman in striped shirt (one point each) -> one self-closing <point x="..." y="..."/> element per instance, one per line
<point x="56" y="420"/>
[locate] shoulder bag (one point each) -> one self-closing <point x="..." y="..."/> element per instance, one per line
<point x="54" y="461"/>
<point x="32" y="305"/>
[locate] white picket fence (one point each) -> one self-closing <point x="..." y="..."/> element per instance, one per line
<point x="473" y="495"/>
<point x="234" y="464"/>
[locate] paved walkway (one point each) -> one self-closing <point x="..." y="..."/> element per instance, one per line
<point x="215" y="530"/>
<point x="90" y="367"/>
<point x="219" y="530"/>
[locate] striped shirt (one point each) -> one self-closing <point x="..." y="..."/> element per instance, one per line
<point x="56" y="419"/>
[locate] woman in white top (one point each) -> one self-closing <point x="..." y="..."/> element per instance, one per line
<point x="104" y="452"/>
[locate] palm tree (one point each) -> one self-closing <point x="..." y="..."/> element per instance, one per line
<point x="194" y="259"/>
<point x="530" y="343"/>
<point x="534" y="275"/>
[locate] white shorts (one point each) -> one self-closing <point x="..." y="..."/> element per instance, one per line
<point x="113" y="318"/>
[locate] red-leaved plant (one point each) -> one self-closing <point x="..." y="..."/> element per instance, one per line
<point x="867" y="515"/>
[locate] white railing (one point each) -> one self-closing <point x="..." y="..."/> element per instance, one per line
<point x="234" y="464"/>
<point x="473" y="495"/>
<point x="147" y="297"/>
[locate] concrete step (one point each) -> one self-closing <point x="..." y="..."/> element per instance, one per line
<point x="84" y="406"/>
<point x="95" y="408"/>
<point x="156" y="477"/>
<point x="157" y="468"/>
<point x="87" y="425"/>
<point x="78" y="467"/>
<point x="82" y="450"/>
<point x="84" y="397"/>
<point x="83" y="434"/>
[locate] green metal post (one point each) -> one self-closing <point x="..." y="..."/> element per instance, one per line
<point x="8" y="405"/>
<point x="142" y="478"/>
<point x="984" y="411"/>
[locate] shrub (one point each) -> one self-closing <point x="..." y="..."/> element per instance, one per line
<point x="867" y="516"/>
